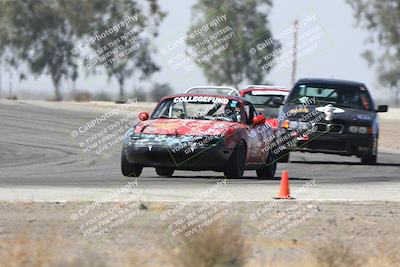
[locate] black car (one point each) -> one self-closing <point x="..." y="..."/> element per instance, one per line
<point x="330" y="116"/>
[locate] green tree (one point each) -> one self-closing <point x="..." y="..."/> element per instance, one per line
<point x="249" y="21"/>
<point x="139" y="94"/>
<point x="382" y="19"/>
<point x="7" y="61"/>
<point x="135" y="57"/>
<point x="159" y="91"/>
<point x="37" y="33"/>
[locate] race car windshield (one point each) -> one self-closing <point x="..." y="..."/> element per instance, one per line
<point x="343" y="96"/>
<point x="199" y="108"/>
<point x="264" y="103"/>
<point x="264" y="100"/>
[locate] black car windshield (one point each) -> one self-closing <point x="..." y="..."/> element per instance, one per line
<point x="199" y="107"/>
<point x="339" y="95"/>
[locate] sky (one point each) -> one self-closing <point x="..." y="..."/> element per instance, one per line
<point x="338" y="54"/>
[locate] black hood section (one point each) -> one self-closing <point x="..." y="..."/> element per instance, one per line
<point x="267" y="111"/>
<point x="350" y="116"/>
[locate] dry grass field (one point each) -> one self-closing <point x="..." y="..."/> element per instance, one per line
<point x="340" y="234"/>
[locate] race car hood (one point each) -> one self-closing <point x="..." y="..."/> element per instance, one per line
<point x="183" y="127"/>
<point x="340" y="114"/>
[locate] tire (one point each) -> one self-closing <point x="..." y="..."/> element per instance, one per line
<point x="167" y="172"/>
<point x="369" y="160"/>
<point x="268" y="170"/>
<point x="236" y="163"/>
<point x="129" y="169"/>
<point x="372" y="158"/>
<point x="284" y="157"/>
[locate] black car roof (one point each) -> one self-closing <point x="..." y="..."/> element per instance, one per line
<point x="330" y="81"/>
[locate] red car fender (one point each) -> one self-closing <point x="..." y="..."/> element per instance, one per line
<point x="233" y="135"/>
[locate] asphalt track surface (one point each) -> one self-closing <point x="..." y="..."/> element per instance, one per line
<point x="41" y="161"/>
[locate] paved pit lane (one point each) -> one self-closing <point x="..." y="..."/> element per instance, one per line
<point x="41" y="161"/>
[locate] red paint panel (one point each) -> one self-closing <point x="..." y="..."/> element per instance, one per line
<point x="184" y="127"/>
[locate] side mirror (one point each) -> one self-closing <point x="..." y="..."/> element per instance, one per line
<point x="382" y="108"/>
<point x="259" y="119"/>
<point x="277" y="101"/>
<point x="143" y="116"/>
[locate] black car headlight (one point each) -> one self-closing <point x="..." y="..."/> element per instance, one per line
<point x="360" y="129"/>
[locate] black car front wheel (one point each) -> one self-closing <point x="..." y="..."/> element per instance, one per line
<point x="167" y="172"/>
<point x="372" y="158"/>
<point x="237" y="161"/>
<point x="129" y="169"/>
<point x="369" y="160"/>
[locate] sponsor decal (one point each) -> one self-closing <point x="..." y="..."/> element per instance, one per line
<point x="234" y="103"/>
<point x="201" y="99"/>
<point x="301" y="110"/>
<point x="329" y="110"/>
<point x="363" y="117"/>
<point x="279" y="93"/>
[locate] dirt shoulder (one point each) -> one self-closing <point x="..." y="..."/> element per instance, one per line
<point x="390" y="135"/>
<point x="150" y="234"/>
<point x="390" y="130"/>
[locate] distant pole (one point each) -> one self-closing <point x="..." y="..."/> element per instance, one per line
<point x="0" y="78"/>
<point x="294" y="63"/>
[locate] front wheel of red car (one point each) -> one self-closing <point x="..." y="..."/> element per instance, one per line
<point x="167" y="172"/>
<point x="236" y="163"/>
<point x="269" y="169"/>
<point x="130" y="169"/>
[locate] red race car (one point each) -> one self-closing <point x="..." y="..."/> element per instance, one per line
<point x="266" y="99"/>
<point x="200" y="131"/>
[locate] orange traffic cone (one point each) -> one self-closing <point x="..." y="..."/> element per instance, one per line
<point x="284" y="192"/>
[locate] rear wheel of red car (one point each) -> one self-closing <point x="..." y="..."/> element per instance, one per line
<point x="284" y="157"/>
<point x="167" y="172"/>
<point x="269" y="169"/>
<point x="237" y="161"/>
<point x="129" y="169"/>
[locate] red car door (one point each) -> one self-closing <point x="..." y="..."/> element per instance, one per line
<point x="258" y="136"/>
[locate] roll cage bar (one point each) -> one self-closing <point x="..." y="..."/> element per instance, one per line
<point x="231" y="91"/>
<point x="259" y="86"/>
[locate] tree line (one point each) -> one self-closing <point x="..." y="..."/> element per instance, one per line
<point x="381" y="18"/>
<point x="42" y="34"/>
<point x="46" y="36"/>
